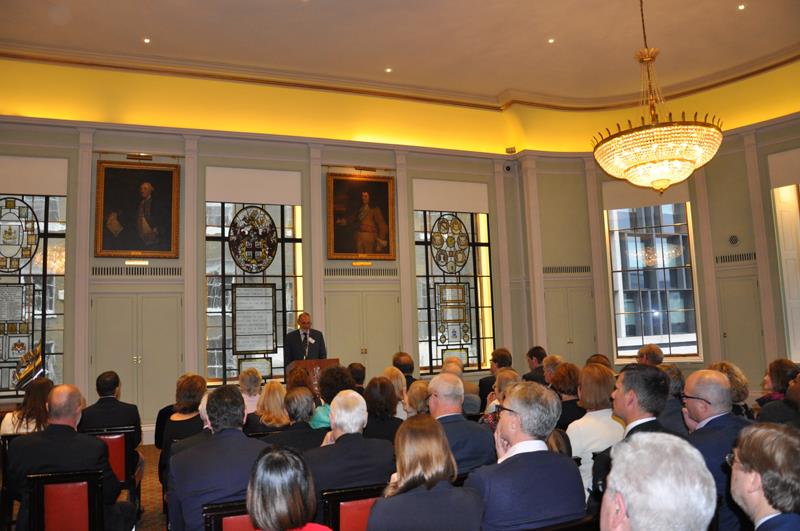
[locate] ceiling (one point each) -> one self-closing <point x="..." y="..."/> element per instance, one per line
<point x="476" y="51"/>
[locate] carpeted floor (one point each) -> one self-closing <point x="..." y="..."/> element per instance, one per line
<point x="153" y="518"/>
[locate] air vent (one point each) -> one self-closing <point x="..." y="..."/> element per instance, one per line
<point x="555" y="270"/>
<point x="734" y="258"/>
<point x="126" y="271"/>
<point x="361" y="272"/>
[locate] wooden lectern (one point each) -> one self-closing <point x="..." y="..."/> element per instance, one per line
<point x="314" y="368"/>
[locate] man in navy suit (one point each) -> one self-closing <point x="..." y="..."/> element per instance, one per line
<point x="471" y="443"/>
<point x="216" y="470"/>
<point x="765" y="481"/>
<point x="551" y="481"/>
<point x="501" y="357"/>
<point x="713" y="430"/>
<point x="305" y="343"/>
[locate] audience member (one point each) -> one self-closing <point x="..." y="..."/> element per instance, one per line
<point x="250" y="386"/>
<point x="550" y="364"/>
<point x="786" y="411"/>
<point x="381" y="407"/>
<point x="358" y="372"/>
<point x="472" y="402"/>
<point x="163" y="415"/>
<point x="331" y="383"/>
<point x="501" y="357"/>
<point x="197" y="438"/>
<point x="672" y="415"/>
<point x="528" y="414"/>
<point x="601" y="359"/>
<point x="60" y="448"/>
<point x="659" y="482"/>
<point x="420" y="495"/>
<point x="280" y="495"/>
<point x="739" y="388"/>
<point x="31" y="415"/>
<point x="776" y="380"/>
<point x="765" y="477"/>
<point x="504" y="378"/>
<point x="470" y="388"/>
<point x="269" y="415"/>
<point x="535" y="356"/>
<point x="184" y="422"/>
<point x="299" y="377"/>
<point x="598" y="429"/>
<point x="346" y="458"/>
<point x="713" y="431"/>
<point x="650" y="354"/>
<point x="405" y="364"/>
<point x="397" y="379"/>
<point x="418" y="398"/>
<point x="565" y="382"/>
<point x="471" y="443"/>
<point x="299" y="405"/>
<point x="216" y="470"/>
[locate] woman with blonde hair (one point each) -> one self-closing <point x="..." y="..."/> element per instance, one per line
<point x="420" y="495"/>
<point x="250" y="386"/>
<point x="399" y="382"/>
<point x="739" y="387"/>
<point x="417" y="398"/>
<point x="503" y="378"/>
<point x="270" y="414"/>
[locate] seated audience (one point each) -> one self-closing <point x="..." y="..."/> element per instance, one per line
<point x="216" y="470"/>
<point x="602" y="359"/>
<point x="358" y="372"/>
<point x="672" y="415"/>
<point x="250" y="386"/>
<point x="713" y="431"/>
<point x="504" y="378"/>
<point x="299" y="377"/>
<point x="658" y="482"/>
<point x="31" y="415"/>
<point x="550" y="364"/>
<point x="565" y="382"/>
<point x="786" y="411"/>
<point x="346" y="458"/>
<point x="501" y="357"/>
<point x="776" y="380"/>
<point x="184" y="422"/>
<point x="471" y="443"/>
<point x="398" y="380"/>
<point x="417" y="403"/>
<point x="535" y="356"/>
<point x="528" y="415"/>
<point x="381" y="406"/>
<point x="331" y="383"/>
<point x="163" y="416"/>
<point x="598" y="429"/>
<point x="299" y="405"/>
<point x="765" y="479"/>
<point x="188" y="442"/>
<point x="60" y="448"/>
<point x="472" y="402"/>
<point x="470" y="388"/>
<point x="269" y="415"/>
<point x="420" y="495"/>
<point x="280" y="495"/>
<point x="650" y="354"/>
<point x="739" y="388"/>
<point x="405" y="364"/>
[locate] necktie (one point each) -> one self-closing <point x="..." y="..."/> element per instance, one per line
<point x="305" y="345"/>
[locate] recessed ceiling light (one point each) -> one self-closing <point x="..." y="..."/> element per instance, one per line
<point x="387" y="70"/>
<point x="551" y="41"/>
<point x="146" y="40"/>
<point x="741" y="7"/>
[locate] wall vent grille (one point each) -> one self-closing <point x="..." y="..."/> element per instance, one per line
<point x="733" y="258"/>
<point x="554" y="270"/>
<point x="131" y="271"/>
<point x="361" y="272"/>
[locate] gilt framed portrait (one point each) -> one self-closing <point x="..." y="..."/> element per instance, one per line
<point x="136" y="210"/>
<point x="361" y="217"/>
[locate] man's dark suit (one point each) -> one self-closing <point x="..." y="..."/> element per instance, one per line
<point x="189" y="442"/>
<point x="472" y="444"/>
<point x="532" y="489"/>
<point x="715" y="440"/>
<point x="672" y="417"/>
<point x="293" y="347"/>
<point x="782" y="522"/>
<point x="300" y="436"/>
<point x="485" y="385"/>
<point x="108" y="412"/>
<point x="59" y="448"/>
<point x="213" y="471"/>
<point x="442" y="507"/>
<point x="536" y="375"/>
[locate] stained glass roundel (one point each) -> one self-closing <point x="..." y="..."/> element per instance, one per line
<point x="19" y="234"/>
<point x="253" y="239"/>
<point x="449" y="243"/>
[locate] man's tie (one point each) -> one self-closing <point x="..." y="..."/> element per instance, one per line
<point x="305" y="345"/>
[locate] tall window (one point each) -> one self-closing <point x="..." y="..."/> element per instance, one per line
<point x="40" y="287"/>
<point x="454" y="289"/>
<point x="652" y="281"/>
<point x="222" y="274"/>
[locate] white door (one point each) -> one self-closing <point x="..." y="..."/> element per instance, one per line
<point x="742" y="339"/>
<point x="114" y="342"/>
<point x="343" y="327"/>
<point x="382" y="330"/>
<point x="582" y="324"/>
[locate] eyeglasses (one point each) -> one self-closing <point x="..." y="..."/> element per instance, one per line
<point x="503" y="408"/>
<point x="685" y="397"/>
<point x="730" y="459"/>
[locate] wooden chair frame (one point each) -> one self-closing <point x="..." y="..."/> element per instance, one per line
<point x="94" y="485"/>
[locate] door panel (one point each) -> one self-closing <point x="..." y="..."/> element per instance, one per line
<point x="582" y="324"/>
<point x="114" y="342"/>
<point x="343" y="326"/>
<point x="161" y="340"/>
<point x="382" y="330"/>
<point x="556" y="304"/>
<point x="742" y="340"/>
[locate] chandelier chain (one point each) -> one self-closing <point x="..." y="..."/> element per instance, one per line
<point x="644" y="31"/>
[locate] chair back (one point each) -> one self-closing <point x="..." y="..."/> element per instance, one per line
<point x="228" y="516"/>
<point x="6" y="503"/>
<point x="114" y="437"/>
<point x="66" y="501"/>
<point x="587" y="523"/>
<point x="348" y="509"/>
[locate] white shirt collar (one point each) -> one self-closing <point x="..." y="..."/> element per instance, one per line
<point x="635" y="423"/>
<point x="524" y="447"/>
<point x="709" y="419"/>
<point x="768" y="517"/>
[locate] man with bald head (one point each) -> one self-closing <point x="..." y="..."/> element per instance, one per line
<point x="713" y="430"/>
<point x="60" y="448"/>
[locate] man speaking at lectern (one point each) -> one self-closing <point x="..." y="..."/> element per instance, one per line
<point x="304" y="343"/>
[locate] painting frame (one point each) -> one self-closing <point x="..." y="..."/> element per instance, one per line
<point x="133" y="220"/>
<point x="346" y="240"/>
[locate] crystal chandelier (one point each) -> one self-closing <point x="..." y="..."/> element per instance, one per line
<point x="657" y="153"/>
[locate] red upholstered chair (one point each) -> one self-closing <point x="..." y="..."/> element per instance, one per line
<point x="229" y="516"/>
<point x="116" y="453"/>
<point x="348" y="509"/>
<point x="68" y="501"/>
<point x="117" y="457"/>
